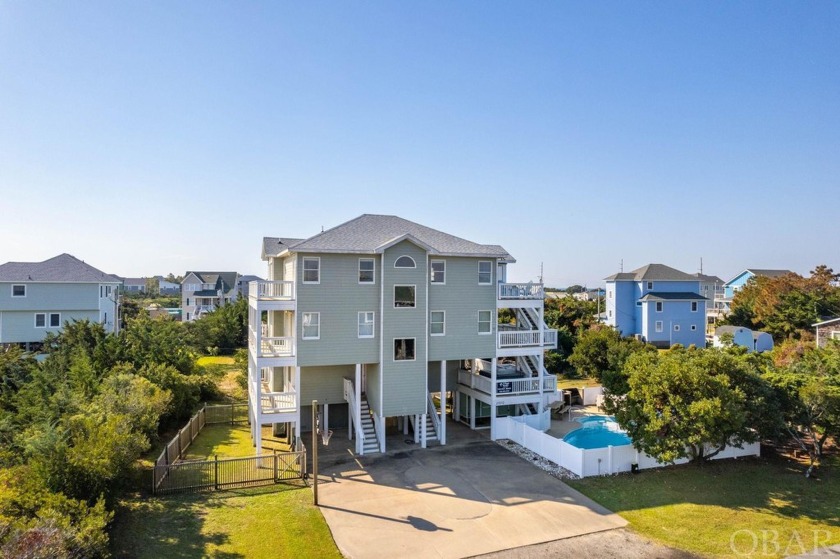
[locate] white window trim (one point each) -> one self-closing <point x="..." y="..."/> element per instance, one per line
<point x="303" y="269"/>
<point x="442" y="322"/>
<point x="658" y="326"/>
<point x="394" y="350"/>
<point x="835" y="334"/>
<point x="432" y="272"/>
<point x="303" y="336"/>
<point x="373" y="281"/>
<point x="24" y="290"/>
<point x="396" y="285"/>
<point x="693" y="327"/>
<point x="490" y="333"/>
<point x="372" y="324"/>
<point x="650" y="285"/>
<point x="659" y="306"/>
<point x="676" y="327"/>
<point x="52" y="314"/>
<point x="413" y="264"/>
<point x="36" y="319"/>
<point x="480" y="262"/>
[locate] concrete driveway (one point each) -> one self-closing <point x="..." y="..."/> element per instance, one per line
<point x="451" y="502"/>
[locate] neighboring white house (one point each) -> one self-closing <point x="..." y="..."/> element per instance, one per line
<point x="40" y="297"/>
<point x="167" y="287"/>
<point x="203" y="292"/>
<point x="753" y="340"/>
<point x="383" y="321"/>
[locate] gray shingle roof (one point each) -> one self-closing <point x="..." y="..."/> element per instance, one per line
<point x="272" y="246"/>
<point x="226" y="281"/>
<point x="672" y="296"/>
<point x="707" y="279"/>
<point x="367" y="233"/>
<point x="61" y="268"/>
<point x="652" y="272"/>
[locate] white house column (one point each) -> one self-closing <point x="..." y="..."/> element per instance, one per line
<point x="442" y="434"/>
<point x="493" y="385"/>
<point x="297" y="402"/>
<point x="422" y="430"/>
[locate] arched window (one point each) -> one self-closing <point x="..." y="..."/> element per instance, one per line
<point x="405" y="262"/>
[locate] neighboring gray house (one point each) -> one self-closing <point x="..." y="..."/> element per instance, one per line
<point x="376" y="316"/>
<point x="39" y="297"/>
<point x="827" y="330"/>
<point x="243" y="285"/>
<point x="167" y="287"/>
<point x="203" y="292"/>
<point x="711" y="287"/>
<point x="134" y="285"/>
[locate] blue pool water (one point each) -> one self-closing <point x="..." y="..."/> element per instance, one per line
<point x="597" y="432"/>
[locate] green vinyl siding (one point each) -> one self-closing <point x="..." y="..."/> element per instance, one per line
<point x="51" y="297"/>
<point x="19" y="326"/>
<point x="404" y="382"/>
<point x="325" y="384"/>
<point x="339" y="298"/>
<point x="461" y="297"/>
<point x="451" y="375"/>
<point x="373" y="384"/>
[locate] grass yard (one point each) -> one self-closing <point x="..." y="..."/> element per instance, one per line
<point x="270" y="522"/>
<point x="229" y="441"/>
<point x="759" y="508"/>
<point x="563" y="383"/>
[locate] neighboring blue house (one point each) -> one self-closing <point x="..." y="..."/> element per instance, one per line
<point x="739" y="281"/>
<point x="659" y="304"/>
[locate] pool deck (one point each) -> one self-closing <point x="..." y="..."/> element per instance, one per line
<point x="560" y="426"/>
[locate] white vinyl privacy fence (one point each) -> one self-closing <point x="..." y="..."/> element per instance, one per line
<point x="594" y="461"/>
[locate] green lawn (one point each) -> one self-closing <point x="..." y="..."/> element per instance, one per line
<point x="269" y="522"/>
<point x="702" y="509"/>
<point x="214" y="360"/>
<point x="229" y="441"/>
<point x="563" y="383"/>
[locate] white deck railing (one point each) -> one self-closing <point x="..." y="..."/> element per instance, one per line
<point x="272" y="290"/>
<point x="506" y="387"/>
<point x="278" y="402"/>
<point x="272" y="346"/>
<point x="527" y="338"/>
<point x="521" y="291"/>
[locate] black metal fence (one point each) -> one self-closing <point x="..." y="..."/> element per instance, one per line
<point x="171" y="474"/>
<point x="227" y="473"/>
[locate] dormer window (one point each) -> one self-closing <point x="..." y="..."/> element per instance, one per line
<point x="405" y="262"/>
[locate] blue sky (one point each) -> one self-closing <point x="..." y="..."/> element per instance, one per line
<point x="156" y="137"/>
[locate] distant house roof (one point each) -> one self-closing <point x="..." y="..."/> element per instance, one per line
<point x="247" y="279"/>
<point x="225" y="281"/>
<point x="369" y="234"/>
<point x="761" y="272"/>
<point x="134" y="281"/>
<point x="652" y="272"/>
<point x="672" y="296"/>
<point x="728" y="329"/>
<point x="707" y="279"/>
<point x="61" y="268"/>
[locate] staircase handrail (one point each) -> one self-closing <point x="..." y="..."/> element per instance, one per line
<point x="350" y="398"/>
<point x="430" y="410"/>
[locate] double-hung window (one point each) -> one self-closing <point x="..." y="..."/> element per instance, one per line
<point x="694" y="306"/>
<point x="404" y="296"/>
<point x="485" y="272"/>
<point x="18" y="291"/>
<point x="658" y="326"/>
<point x="485" y="322"/>
<point x="311" y="325"/>
<point x="659" y="306"/>
<point x="311" y="270"/>
<point x="55" y="320"/>
<point x="366" y="324"/>
<point x="438" y="271"/>
<point x="437" y="323"/>
<point x="367" y="270"/>
<point x="40" y="320"/>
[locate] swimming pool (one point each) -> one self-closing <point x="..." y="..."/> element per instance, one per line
<point x="597" y="432"/>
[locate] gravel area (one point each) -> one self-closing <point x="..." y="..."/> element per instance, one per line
<point x="537" y="460"/>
